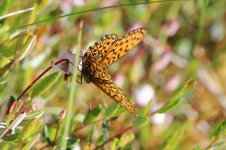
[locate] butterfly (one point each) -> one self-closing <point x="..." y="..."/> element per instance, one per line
<point x="102" y="54"/>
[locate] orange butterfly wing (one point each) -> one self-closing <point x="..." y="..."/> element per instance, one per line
<point x="104" y="53"/>
<point x="94" y="72"/>
<point x="122" y="46"/>
<point x="112" y="90"/>
<point x="99" y="49"/>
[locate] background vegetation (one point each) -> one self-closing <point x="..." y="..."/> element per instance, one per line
<point x="175" y="76"/>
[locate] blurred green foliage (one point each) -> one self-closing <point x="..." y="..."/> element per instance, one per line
<point x="185" y="42"/>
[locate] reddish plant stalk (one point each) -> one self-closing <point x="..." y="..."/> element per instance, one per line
<point x="43" y="73"/>
<point x="62" y="116"/>
<point x="115" y="136"/>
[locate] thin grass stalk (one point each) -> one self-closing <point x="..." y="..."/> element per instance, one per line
<point x="72" y="95"/>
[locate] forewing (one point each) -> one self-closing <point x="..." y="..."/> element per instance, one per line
<point x="100" y="49"/>
<point x="122" y="46"/>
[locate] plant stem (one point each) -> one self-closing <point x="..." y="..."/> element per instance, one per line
<point x="72" y="93"/>
<point x="118" y="135"/>
<point x="42" y="74"/>
<point x="89" y="10"/>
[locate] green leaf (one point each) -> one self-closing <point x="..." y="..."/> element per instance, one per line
<point x="44" y="84"/>
<point x="219" y="145"/>
<point x="5" y="78"/>
<point x="100" y="140"/>
<point x="29" y="129"/>
<point x="111" y="111"/>
<point x="126" y="138"/>
<point x="170" y="105"/>
<point x="29" y="145"/>
<point x="5" y="145"/>
<point x="114" y="143"/>
<point x="141" y="121"/>
<point x="4" y="35"/>
<point x="146" y="109"/>
<point x="52" y="131"/>
<point x="12" y="137"/>
<point x="173" y="140"/>
<point x="4" y="5"/>
<point x="197" y="148"/>
<point x="9" y="49"/>
<point x="71" y="143"/>
<point x="46" y="135"/>
<point x="35" y="114"/>
<point x="27" y="47"/>
<point x="93" y="114"/>
<point x="181" y="89"/>
<point x="175" y="97"/>
<point x="2" y="89"/>
<point x="90" y="134"/>
<point x="10" y="118"/>
<point x="221" y="130"/>
<point x="18" y="43"/>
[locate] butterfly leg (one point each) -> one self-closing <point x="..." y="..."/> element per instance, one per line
<point x="80" y="76"/>
<point x="79" y="82"/>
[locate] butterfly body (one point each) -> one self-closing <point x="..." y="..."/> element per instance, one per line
<point x="103" y="53"/>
